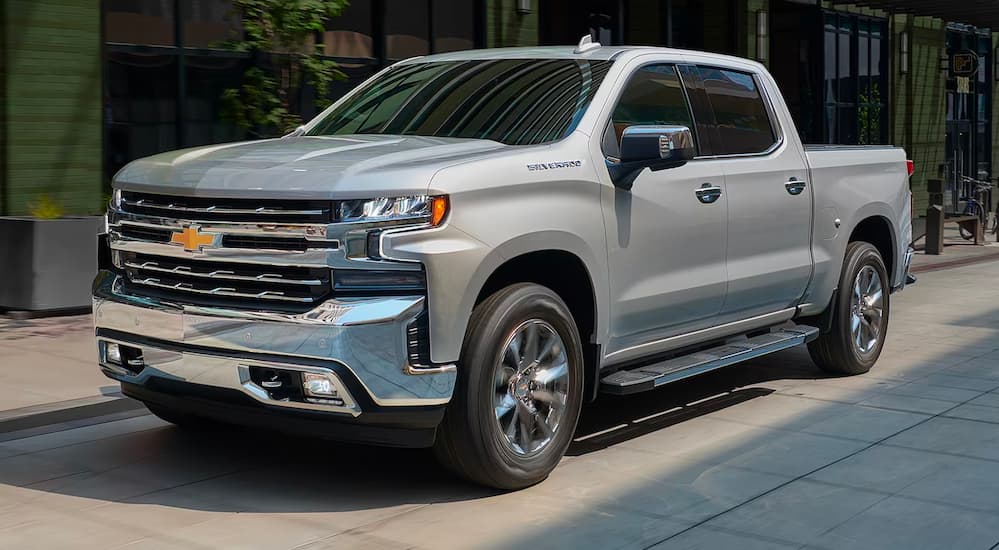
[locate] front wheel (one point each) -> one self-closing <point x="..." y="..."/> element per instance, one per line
<point x="860" y="317"/>
<point x="519" y="390"/>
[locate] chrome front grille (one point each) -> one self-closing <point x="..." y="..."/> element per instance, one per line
<point x="235" y="253"/>
<point x="225" y="209"/>
<point x="209" y="283"/>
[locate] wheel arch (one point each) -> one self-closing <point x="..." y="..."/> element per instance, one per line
<point x="568" y="274"/>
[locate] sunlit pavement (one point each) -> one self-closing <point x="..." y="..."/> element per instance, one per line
<point x="770" y="454"/>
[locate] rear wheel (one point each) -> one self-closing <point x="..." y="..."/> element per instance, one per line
<point x="519" y="390"/>
<point x="860" y="318"/>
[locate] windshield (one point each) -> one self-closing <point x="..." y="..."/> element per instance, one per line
<point x="512" y="101"/>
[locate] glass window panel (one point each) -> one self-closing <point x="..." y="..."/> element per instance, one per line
<point x="210" y="23"/>
<point x="141" y="115"/>
<point x="740" y="113"/>
<point x="646" y="23"/>
<point x="847" y="81"/>
<point x="653" y="96"/>
<point x="831" y="92"/>
<point x="516" y="101"/>
<point x="454" y="25"/>
<point x="203" y="120"/>
<point x="147" y="22"/>
<point x="349" y="34"/>
<point x="407" y="28"/>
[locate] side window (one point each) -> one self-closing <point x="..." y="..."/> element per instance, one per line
<point x="740" y="113"/>
<point x="653" y="96"/>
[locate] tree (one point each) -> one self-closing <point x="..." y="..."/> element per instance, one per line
<point x="268" y="99"/>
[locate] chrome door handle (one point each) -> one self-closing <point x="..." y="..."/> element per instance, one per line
<point x="795" y="186"/>
<point x="708" y="194"/>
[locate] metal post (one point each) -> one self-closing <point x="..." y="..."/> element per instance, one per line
<point x="934" y="218"/>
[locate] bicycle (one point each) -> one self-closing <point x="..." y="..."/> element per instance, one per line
<point x="976" y="205"/>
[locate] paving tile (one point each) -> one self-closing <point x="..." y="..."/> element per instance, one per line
<point x="964" y="382"/>
<point x="952" y="436"/>
<point x="923" y="389"/>
<point x="798" y="513"/>
<point x="907" y="524"/>
<point x="526" y="519"/>
<point x="944" y="479"/>
<point x="820" y="417"/>
<point x="82" y="434"/>
<point x="656" y="484"/>
<point x="975" y="412"/>
<point x="907" y="403"/>
<point x="990" y="399"/>
<point x="780" y="452"/>
<point x="707" y="538"/>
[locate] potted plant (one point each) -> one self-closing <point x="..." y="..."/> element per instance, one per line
<point x="48" y="260"/>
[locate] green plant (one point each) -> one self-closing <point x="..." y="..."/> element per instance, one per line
<point x="46" y="208"/>
<point x="267" y="101"/>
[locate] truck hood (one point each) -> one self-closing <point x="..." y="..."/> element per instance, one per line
<point x="316" y="167"/>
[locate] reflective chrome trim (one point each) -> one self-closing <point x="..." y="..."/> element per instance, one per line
<point x="221" y="372"/>
<point x="306" y="231"/>
<point x="221" y="274"/>
<point x="221" y="291"/>
<point x="145" y="203"/>
<point x="365" y="335"/>
<point x="698" y="336"/>
<point x="302" y="258"/>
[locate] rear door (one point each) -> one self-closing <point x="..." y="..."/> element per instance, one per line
<point x="769" y="259"/>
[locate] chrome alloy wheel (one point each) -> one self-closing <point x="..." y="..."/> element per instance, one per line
<point x="531" y="387"/>
<point x="867" y="310"/>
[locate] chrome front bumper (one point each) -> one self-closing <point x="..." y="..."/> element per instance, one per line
<point x="360" y="344"/>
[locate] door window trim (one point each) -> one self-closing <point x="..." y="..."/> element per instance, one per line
<point x="775" y="125"/>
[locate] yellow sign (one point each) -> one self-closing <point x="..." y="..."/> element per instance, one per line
<point x="192" y="239"/>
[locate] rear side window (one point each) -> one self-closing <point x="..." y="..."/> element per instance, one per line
<point x="743" y="122"/>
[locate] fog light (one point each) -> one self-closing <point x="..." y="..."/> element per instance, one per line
<point x="318" y="385"/>
<point x="112" y="353"/>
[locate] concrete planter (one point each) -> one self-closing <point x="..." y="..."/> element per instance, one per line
<point x="48" y="265"/>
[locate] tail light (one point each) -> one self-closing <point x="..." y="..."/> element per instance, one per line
<point x="910" y="167"/>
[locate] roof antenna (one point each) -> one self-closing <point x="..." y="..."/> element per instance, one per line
<point x="586" y="44"/>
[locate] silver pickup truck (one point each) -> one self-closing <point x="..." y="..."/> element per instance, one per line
<point x="469" y="247"/>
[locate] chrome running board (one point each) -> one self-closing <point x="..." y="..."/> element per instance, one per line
<point x="650" y="376"/>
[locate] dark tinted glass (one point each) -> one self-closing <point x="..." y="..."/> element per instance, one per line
<point x="653" y="96"/>
<point x="742" y="117"/>
<point x="139" y="22"/>
<point x="454" y="24"/>
<point x="407" y="28"/>
<point x="514" y="101"/>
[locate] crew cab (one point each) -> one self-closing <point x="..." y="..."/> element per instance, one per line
<point x="470" y="246"/>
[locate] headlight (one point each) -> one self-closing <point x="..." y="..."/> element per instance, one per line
<point x="423" y="208"/>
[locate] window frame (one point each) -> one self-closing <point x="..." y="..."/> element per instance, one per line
<point x="773" y="119"/>
<point x="676" y="65"/>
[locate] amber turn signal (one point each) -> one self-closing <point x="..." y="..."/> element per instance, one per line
<point x="438" y="210"/>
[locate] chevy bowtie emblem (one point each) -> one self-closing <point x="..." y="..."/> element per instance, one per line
<point x="192" y="239"/>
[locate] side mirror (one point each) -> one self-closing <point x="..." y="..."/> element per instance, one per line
<point x="654" y="147"/>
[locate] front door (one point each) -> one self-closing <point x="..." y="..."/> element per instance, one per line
<point x="769" y="197"/>
<point x="666" y="248"/>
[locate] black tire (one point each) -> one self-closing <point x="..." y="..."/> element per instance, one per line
<point x="836" y="351"/>
<point x="470" y="441"/>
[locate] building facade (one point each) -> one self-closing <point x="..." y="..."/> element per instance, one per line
<point x="86" y="87"/>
